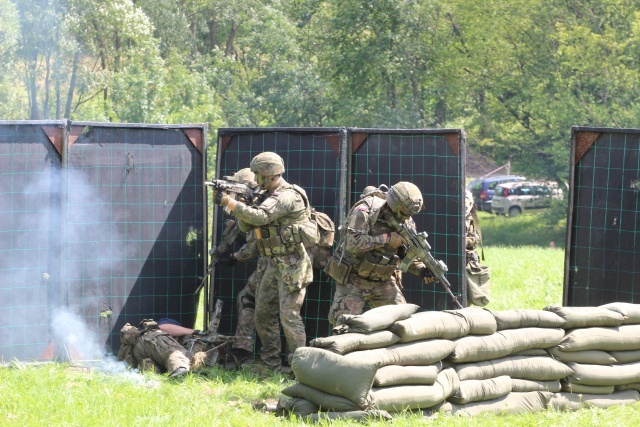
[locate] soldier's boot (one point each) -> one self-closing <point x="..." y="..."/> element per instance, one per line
<point x="237" y="358"/>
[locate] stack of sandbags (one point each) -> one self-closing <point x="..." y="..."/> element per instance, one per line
<point x="509" y="367"/>
<point x="601" y="346"/>
<point x="469" y="361"/>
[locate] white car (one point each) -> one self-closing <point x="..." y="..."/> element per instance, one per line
<point x="515" y="198"/>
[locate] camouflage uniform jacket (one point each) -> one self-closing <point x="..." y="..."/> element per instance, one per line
<point x="472" y="229"/>
<point x="367" y="235"/>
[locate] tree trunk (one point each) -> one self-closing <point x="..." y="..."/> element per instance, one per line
<point x="72" y="85"/>
<point x="229" y="47"/>
<point x="33" y="86"/>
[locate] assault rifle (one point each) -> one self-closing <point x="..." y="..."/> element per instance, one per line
<point x="242" y="192"/>
<point x="418" y="247"/>
<point x="229" y="235"/>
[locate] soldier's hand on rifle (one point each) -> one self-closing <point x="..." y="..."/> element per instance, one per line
<point x="395" y="240"/>
<point x="221" y="198"/>
<point x="228" y="261"/>
<point x="428" y="277"/>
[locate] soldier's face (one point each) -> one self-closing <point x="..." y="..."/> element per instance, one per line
<point x="266" y="182"/>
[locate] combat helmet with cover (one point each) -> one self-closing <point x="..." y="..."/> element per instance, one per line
<point x="267" y="164"/>
<point x="404" y="199"/>
<point x="244" y="176"/>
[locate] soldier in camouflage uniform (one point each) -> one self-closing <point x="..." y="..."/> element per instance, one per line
<point x="365" y="264"/>
<point x="278" y="225"/>
<point x="478" y="275"/>
<point x="150" y="348"/>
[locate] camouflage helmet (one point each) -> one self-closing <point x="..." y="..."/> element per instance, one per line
<point x="243" y="176"/>
<point x="404" y="198"/>
<point x="468" y="202"/>
<point x="267" y="164"/>
<point x="367" y="190"/>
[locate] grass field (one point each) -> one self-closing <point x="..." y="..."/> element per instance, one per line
<point x="523" y="276"/>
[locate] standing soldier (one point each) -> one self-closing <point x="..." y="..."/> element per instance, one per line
<point x="365" y="264"/>
<point x="478" y="275"/>
<point x="282" y="228"/>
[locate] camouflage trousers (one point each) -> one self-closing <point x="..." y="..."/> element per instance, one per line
<point x="351" y="297"/>
<point x="165" y="352"/>
<point x="246" y="308"/>
<point x="280" y="294"/>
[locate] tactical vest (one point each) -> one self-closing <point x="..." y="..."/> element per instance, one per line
<point x="372" y="265"/>
<point x="285" y="235"/>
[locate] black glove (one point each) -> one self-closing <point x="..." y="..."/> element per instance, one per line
<point x="220" y="198"/>
<point x="228" y="261"/>
<point x="427" y="276"/>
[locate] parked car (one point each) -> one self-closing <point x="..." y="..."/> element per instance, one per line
<point x="515" y="198"/>
<point x="482" y="189"/>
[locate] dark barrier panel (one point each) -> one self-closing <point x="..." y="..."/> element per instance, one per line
<point x="432" y="159"/>
<point x="29" y="235"/>
<point x="134" y="224"/>
<point x="603" y="244"/>
<point x="312" y="160"/>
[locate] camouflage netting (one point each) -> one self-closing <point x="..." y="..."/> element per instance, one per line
<point x="469" y="361"/>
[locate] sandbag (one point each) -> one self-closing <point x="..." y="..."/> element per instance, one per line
<point x="479" y="390"/>
<point x="511" y="404"/>
<point x="632" y="386"/>
<point x="573" y="402"/>
<point x="527" y="318"/>
<point x="590" y="357"/>
<point x="625" y="337"/>
<point x="481" y="321"/>
<point x="503" y="343"/>
<point x="586" y="317"/>
<point x="570" y="387"/>
<point x="345" y="343"/>
<point x="429" y="325"/>
<point x="377" y="318"/>
<point x="295" y="406"/>
<point x="630" y="312"/>
<point x="406" y="375"/>
<point x="400" y="398"/>
<point x="626" y="356"/>
<point x="531" y="352"/>
<point x="419" y="353"/>
<point x="335" y="374"/>
<point x="324" y="401"/>
<point x="523" y="367"/>
<point x="522" y="386"/>
<point x="604" y="375"/>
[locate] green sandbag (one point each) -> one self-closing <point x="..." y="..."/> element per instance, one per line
<point x="510" y="404"/>
<point x="522" y="386"/>
<point x="618" y="338"/>
<point x="377" y="318"/>
<point x="527" y="318"/>
<point x="295" y="406"/>
<point x="406" y="375"/>
<point x="503" y="343"/>
<point x="604" y="375"/>
<point x="570" y="387"/>
<point x="324" y="401"/>
<point x="481" y="321"/>
<point x="400" y="398"/>
<point x="630" y="312"/>
<point x="479" y="390"/>
<point x="586" y="317"/>
<point x="590" y="357"/>
<point x="419" y="353"/>
<point x="573" y="402"/>
<point x="335" y="374"/>
<point x="431" y="325"/>
<point x="345" y="343"/>
<point x="632" y="386"/>
<point x="523" y="367"/>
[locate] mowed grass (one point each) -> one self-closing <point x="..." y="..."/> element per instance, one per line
<point x="529" y="276"/>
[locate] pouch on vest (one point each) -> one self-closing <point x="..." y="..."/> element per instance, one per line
<point x="337" y="271"/>
<point x="326" y="228"/>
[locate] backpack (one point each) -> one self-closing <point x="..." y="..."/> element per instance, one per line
<point x="326" y="228"/>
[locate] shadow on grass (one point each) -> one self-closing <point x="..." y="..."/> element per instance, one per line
<point x="525" y="230"/>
